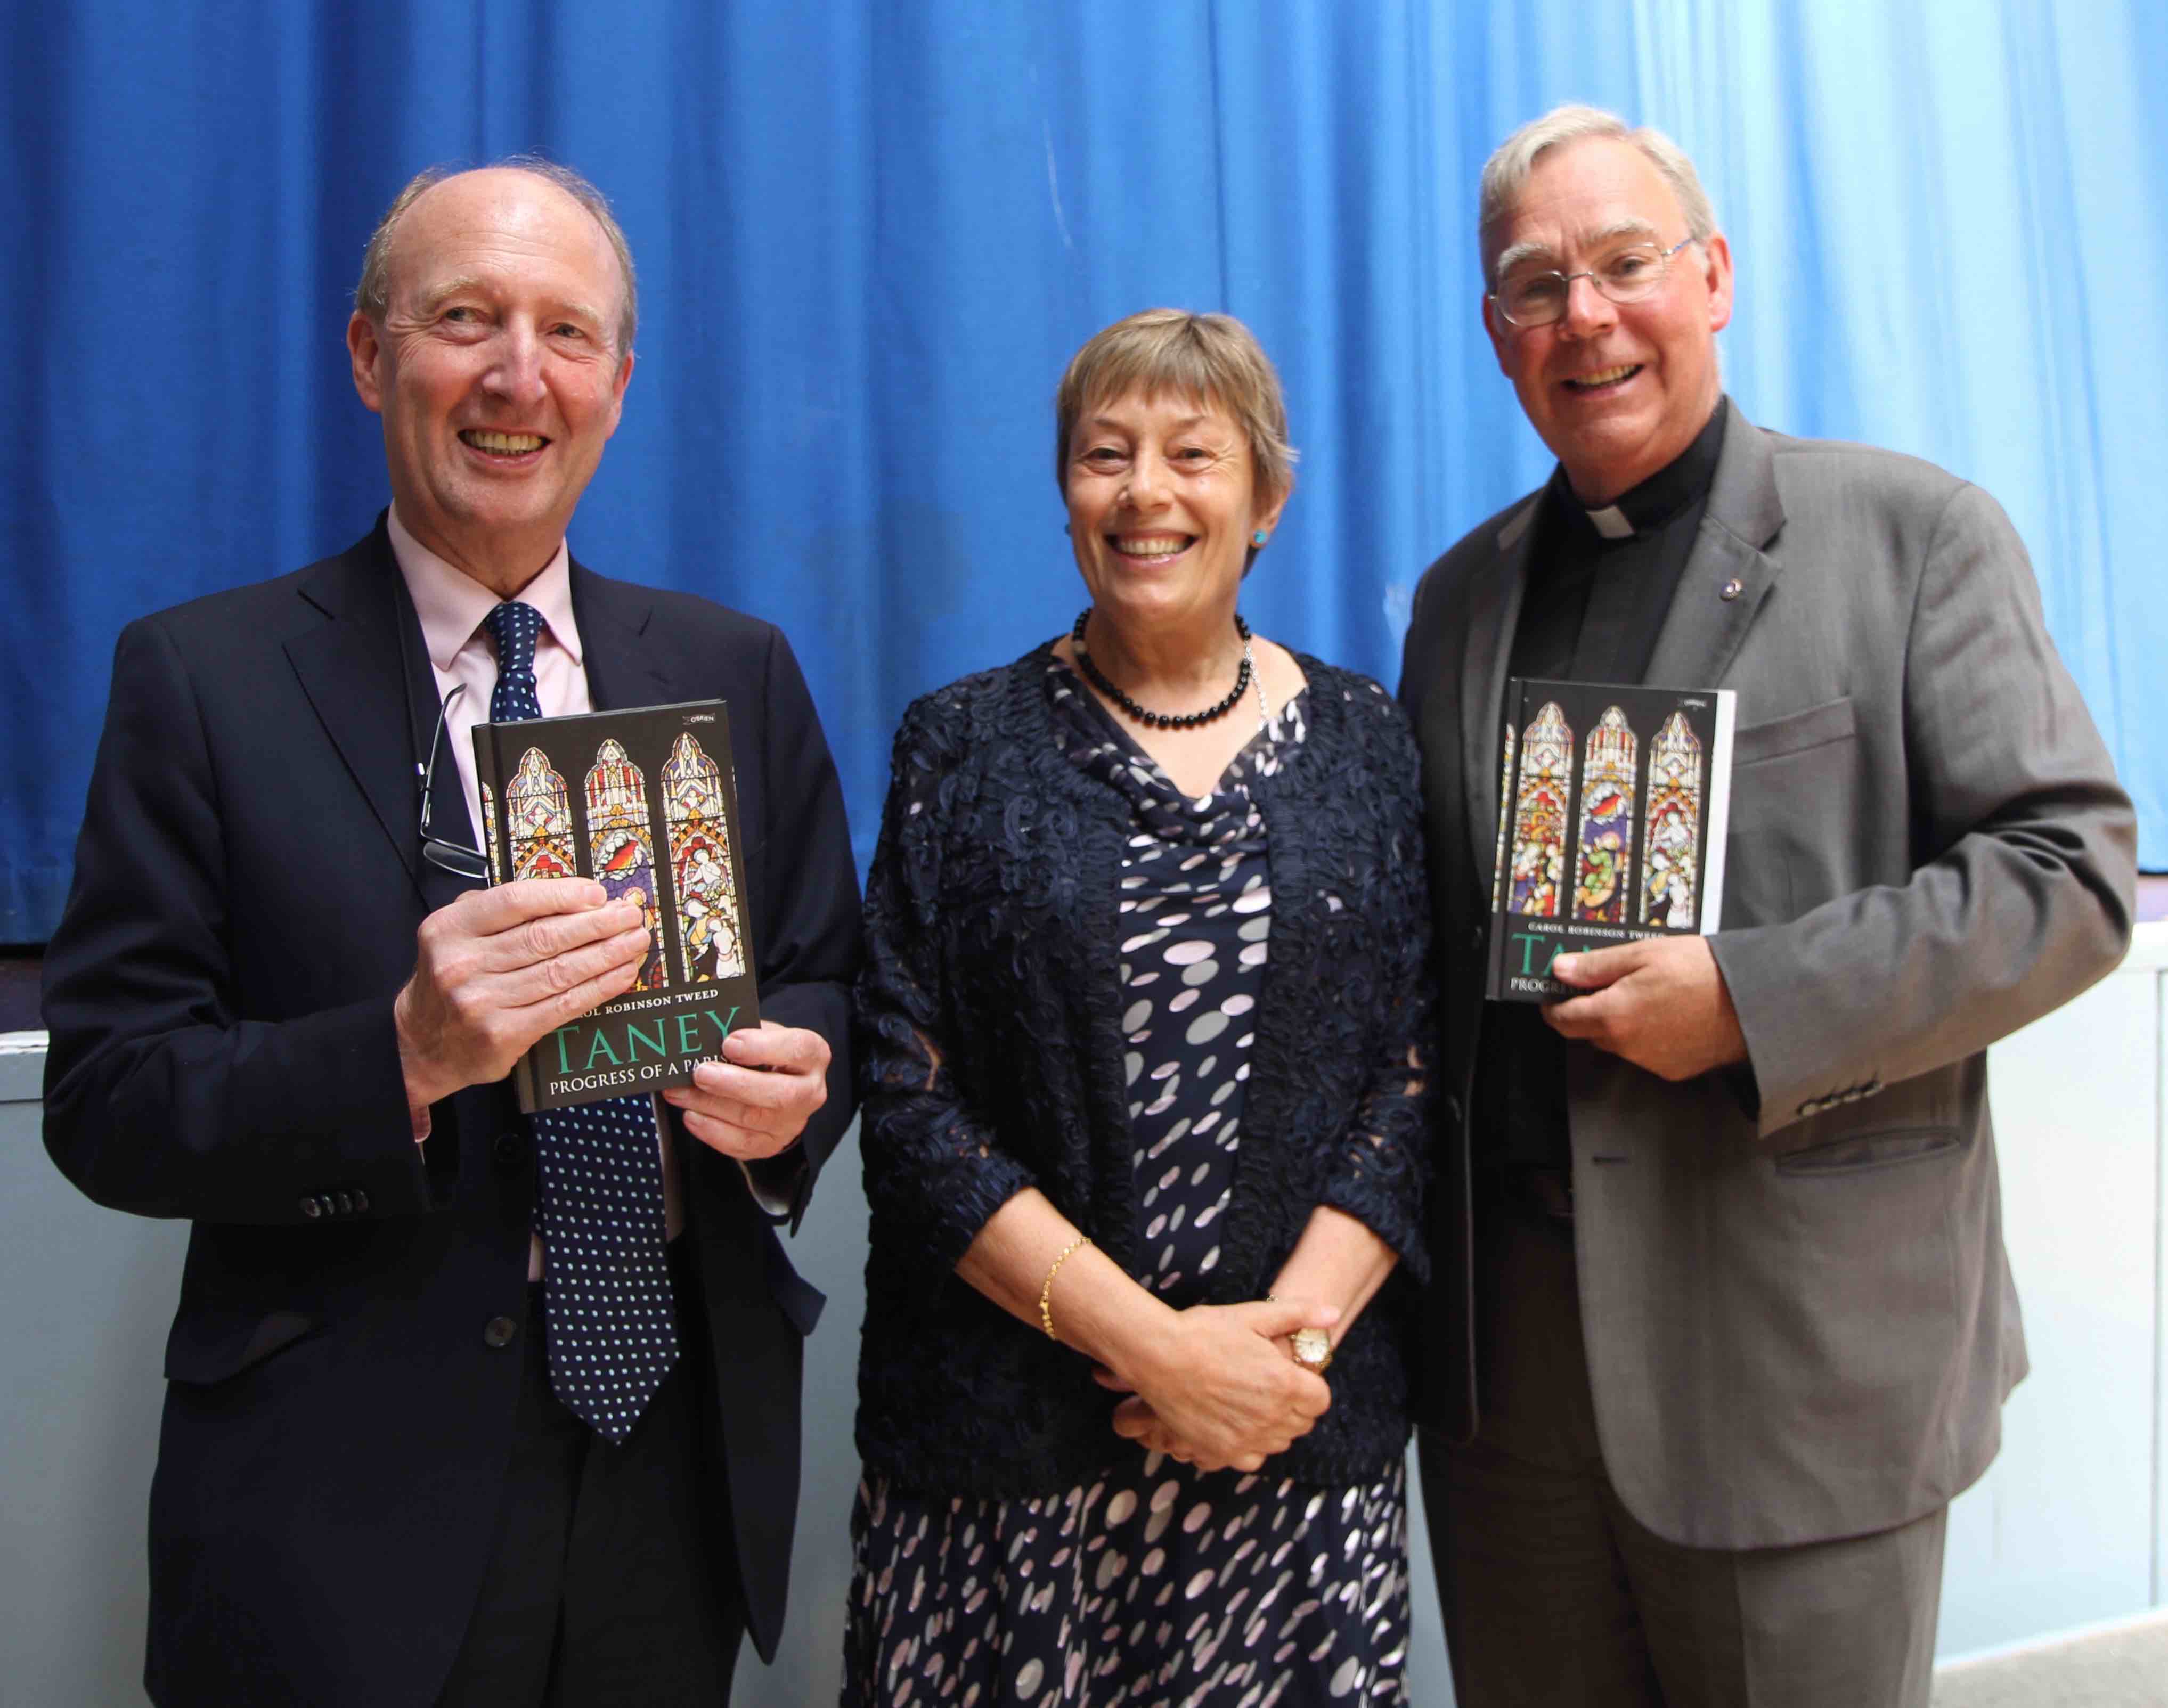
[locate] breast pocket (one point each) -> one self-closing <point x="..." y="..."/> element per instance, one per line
<point x="1794" y="797"/>
<point x="1794" y="733"/>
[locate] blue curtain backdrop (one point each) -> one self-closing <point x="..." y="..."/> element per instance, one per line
<point x="871" y="233"/>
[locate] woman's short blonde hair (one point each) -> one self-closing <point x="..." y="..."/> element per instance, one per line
<point x="1211" y="358"/>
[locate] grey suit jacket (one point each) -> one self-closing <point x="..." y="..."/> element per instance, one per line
<point x="1799" y="1318"/>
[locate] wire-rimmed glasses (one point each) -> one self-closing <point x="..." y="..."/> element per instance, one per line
<point x="1632" y="272"/>
<point x="454" y="857"/>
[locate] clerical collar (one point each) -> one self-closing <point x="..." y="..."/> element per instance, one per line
<point x="1683" y="481"/>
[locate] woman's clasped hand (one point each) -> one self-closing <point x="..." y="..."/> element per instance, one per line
<point x="1219" y="1390"/>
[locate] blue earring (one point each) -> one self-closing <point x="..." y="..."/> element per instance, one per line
<point x="1258" y="538"/>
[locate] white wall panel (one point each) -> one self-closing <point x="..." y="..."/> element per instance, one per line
<point x="2071" y="1527"/>
<point x="2064" y="1529"/>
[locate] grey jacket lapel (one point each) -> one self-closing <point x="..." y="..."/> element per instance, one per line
<point x="1709" y="615"/>
<point x="1494" y="608"/>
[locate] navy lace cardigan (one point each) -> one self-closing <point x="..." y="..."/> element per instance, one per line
<point x="991" y="1059"/>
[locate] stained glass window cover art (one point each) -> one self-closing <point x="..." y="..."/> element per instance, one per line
<point x="623" y="848"/>
<point x="644" y="792"/>
<point x="1673" y="814"/>
<point x="700" y="865"/>
<point x="1539" y="815"/>
<point x="489" y="834"/>
<point x="1619" y="808"/>
<point x="539" y="819"/>
<point x="1604" y="850"/>
<point x="1505" y="817"/>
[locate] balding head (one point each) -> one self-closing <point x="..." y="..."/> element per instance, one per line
<point x="372" y="292"/>
<point x="494" y="360"/>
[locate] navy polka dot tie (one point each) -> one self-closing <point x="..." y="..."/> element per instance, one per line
<point x="599" y="1205"/>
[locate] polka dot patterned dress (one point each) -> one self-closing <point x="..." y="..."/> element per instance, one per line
<point x="1155" y="1585"/>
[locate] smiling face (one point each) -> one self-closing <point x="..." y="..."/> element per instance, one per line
<point x="1163" y="498"/>
<point x="493" y="368"/>
<point x="1617" y="390"/>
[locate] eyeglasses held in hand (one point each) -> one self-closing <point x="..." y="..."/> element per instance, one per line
<point x="1631" y="274"/>
<point x="454" y="857"/>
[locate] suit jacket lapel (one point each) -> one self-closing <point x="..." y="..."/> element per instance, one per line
<point x="1493" y="608"/>
<point x="622" y="668"/>
<point x="1709" y="616"/>
<point x="351" y="669"/>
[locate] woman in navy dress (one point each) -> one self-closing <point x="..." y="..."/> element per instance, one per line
<point x="1142" y="1028"/>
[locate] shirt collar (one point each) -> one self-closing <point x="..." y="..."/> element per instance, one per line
<point x="1679" y="484"/>
<point x="451" y="605"/>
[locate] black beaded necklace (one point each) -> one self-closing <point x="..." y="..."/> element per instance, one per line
<point x="1163" y="720"/>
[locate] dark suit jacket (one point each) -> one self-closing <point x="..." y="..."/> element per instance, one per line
<point x="992" y="1059"/>
<point x="1799" y="1318"/>
<point x="247" y="885"/>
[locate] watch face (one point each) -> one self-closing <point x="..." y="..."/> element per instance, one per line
<point x="1313" y="1347"/>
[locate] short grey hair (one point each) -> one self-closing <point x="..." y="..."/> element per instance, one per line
<point x="1506" y="172"/>
<point x="372" y="292"/>
<point x="1212" y="357"/>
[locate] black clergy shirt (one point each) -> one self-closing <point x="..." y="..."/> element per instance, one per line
<point x="1591" y="612"/>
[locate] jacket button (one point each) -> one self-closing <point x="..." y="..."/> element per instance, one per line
<point x="510" y="1150"/>
<point x="499" y="1332"/>
<point x="312" y="1208"/>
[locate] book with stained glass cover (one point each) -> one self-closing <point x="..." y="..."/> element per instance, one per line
<point x="1612" y="805"/>
<point x="645" y="802"/>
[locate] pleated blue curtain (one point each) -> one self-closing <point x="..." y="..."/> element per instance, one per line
<point x="871" y="233"/>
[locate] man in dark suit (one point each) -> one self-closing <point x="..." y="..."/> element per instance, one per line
<point x="1723" y="1319"/>
<point x="384" y="1477"/>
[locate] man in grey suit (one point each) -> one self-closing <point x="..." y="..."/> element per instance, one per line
<point x="1723" y="1320"/>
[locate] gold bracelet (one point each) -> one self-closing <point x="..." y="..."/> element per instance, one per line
<point x="1046" y="1292"/>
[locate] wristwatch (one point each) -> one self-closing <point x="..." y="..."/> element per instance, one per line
<point x="1313" y="1349"/>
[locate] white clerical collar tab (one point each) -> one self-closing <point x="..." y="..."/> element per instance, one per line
<point x="1611" y="522"/>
